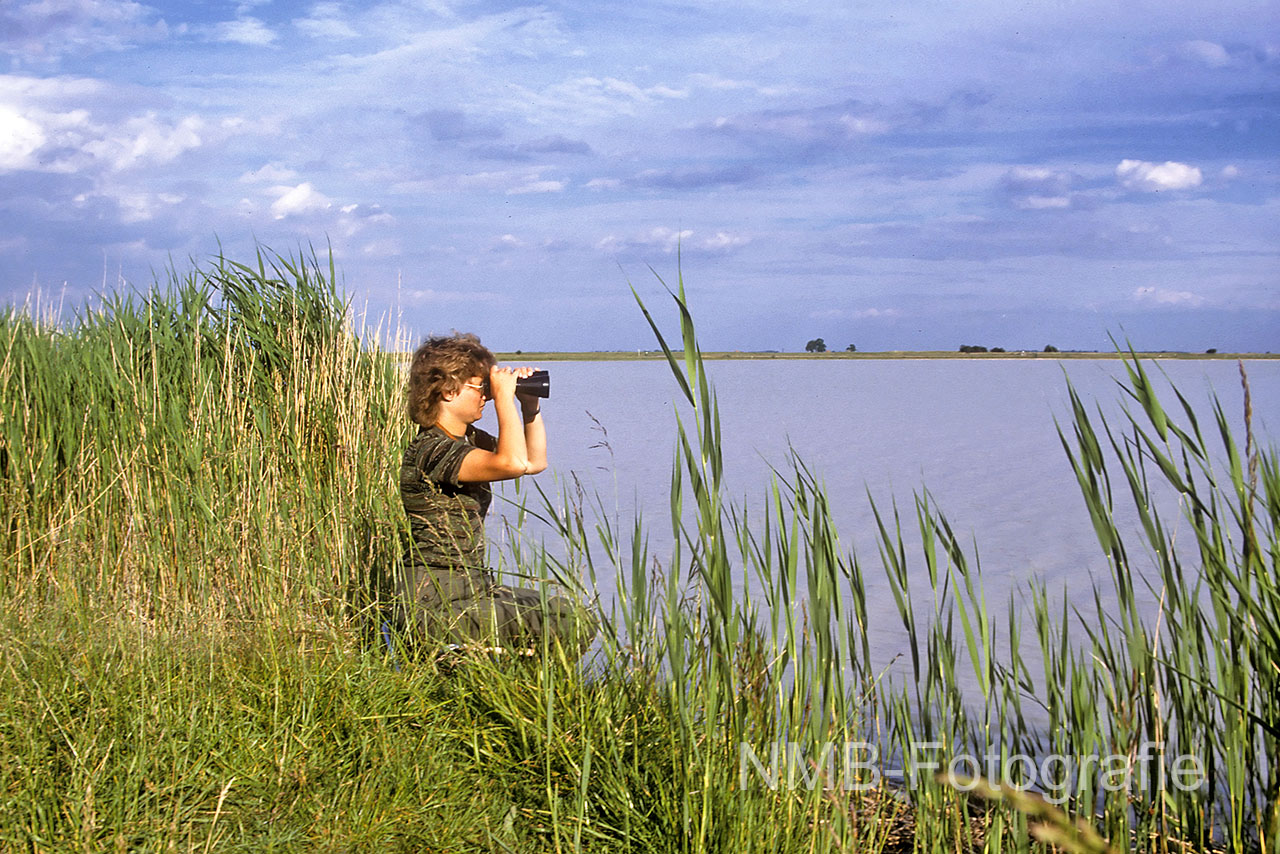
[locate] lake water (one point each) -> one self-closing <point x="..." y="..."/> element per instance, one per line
<point x="979" y="434"/>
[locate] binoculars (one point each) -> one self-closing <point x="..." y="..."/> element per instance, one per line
<point x="537" y="384"/>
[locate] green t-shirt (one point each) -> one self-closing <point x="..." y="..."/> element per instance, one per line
<point x="446" y="518"/>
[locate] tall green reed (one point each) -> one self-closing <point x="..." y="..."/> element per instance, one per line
<point x="199" y="441"/>
<point x="1151" y="690"/>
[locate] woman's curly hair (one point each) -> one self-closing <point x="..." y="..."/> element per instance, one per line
<point x="439" y="367"/>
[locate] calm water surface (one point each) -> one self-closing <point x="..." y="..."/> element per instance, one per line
<point x="979" y="434"/>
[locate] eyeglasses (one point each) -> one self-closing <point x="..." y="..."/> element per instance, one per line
<point x="484" y="392"/>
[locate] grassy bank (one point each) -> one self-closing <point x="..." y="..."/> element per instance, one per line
<point x="198" y="507"/>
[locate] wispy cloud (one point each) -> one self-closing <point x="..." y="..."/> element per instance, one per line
<point x="581" y="99"/>
<point x="536" y="185"/>
<point x="43" y="31"/>
<point x="245" y="31"/>
<point x="697" y="177"/>
<point x="326" y="22"/>
<point x="667" y="240"/>
<point x="550" y="145"/>
<point x="818" y="128"/>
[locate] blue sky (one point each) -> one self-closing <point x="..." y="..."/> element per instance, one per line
<point x="896" y="175"/>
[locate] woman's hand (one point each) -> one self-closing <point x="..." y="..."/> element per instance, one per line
<point x="502" y="383"/>
<point x="528" y="402"/>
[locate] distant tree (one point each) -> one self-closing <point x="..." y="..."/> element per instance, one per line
<point x="1212" y="350"/>
<point x="972" y="348"/>
<point x="851" y="349"/>
<point x="997" y="349"/>
<point x="1049" y="348"/>
<point x="817" y="345"/>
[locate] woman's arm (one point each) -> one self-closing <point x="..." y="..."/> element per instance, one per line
<point x="535" y="432"/>
<point x="522" y="442"/>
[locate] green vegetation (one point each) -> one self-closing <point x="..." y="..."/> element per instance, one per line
<point x="197" y="500"/>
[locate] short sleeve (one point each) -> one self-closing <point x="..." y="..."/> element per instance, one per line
<point x="482" y="440"/>
<point x="440" y="458"/>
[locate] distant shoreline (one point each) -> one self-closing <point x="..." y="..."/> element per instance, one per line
<point x="743" y="355"/>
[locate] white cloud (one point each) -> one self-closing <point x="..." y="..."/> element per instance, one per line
<point x="661" y="239"/>
<point x="20" y="138"/>
<point x="668" y="240"/>
<point x="356" y="218"/>
<point x="534" y="185"/>
<point x="301" y="199"/>
<point x="1037" y="188"/>
<point x="246" y="31"/>
<point x="723" y="241"/>
<point x="1154" y="177"/>
<point x="145" y="140"/>
<point x="35" y="137"/>
<point x="1033" y="175"/>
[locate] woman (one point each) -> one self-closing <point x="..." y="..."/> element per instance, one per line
<point x="446" y="589"/>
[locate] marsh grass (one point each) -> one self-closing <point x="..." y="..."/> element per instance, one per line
<point x="199" y="517"/>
